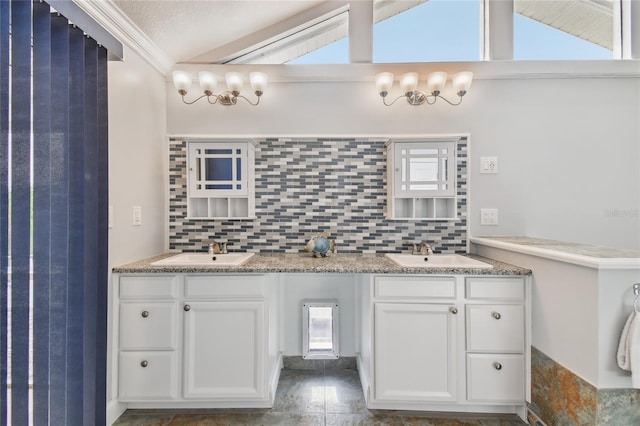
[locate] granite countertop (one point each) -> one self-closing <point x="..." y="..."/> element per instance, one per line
<point x="334" y="263"/>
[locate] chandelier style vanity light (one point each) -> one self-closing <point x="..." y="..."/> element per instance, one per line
<point x="435" y="83"/>
<point x="208" y="83"/>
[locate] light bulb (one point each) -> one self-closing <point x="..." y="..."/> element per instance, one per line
<point x="384" y="82"/>
<point x="234" y="82"/>
<point x="409" y="82"/>
<point x="436" y="82"/>
<point x="462" y="82"/>
<point x="182" y="81"/>
<point x="208" y="82"/>
<point x="258" y="82"/>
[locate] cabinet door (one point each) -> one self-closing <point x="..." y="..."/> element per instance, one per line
<point x="415" y="352"/>
<point x="224" y="350"/>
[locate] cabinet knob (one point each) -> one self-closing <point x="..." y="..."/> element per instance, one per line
<point x="187" y="308"/>
<point x="496" y="315"/>
<point x="145" y="314"/>
<point x="453" y="310"/>
<point x="497" y="366"/>
<point x="144" y="363"/>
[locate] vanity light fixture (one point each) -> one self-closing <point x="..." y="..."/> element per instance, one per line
<point x="208" y="83"/>
<point x="436" y="81"/>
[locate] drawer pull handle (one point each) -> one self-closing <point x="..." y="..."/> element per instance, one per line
<point x="453" y="310"/>
<point x="187" y="308"/>
<point x="144" y="364"/>
<point x="497" y="366"/>
<point x="145" y="314"/>
<point x="496" y="315"/>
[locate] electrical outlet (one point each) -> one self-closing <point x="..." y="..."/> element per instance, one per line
<point x="488" y="216"/>
<point x="137" y="216"/>
<point x="488" y="164"/>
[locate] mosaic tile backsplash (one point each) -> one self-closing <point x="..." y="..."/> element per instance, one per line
<point x="307" y="186"/>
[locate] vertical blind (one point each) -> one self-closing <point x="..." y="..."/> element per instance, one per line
<point x="53" y="219"/>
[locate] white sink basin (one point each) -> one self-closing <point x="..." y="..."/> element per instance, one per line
<point x="204" y="259"/>
<point x="437" y="261"/>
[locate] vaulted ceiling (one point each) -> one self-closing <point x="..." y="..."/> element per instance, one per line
<point x="276" y="31"/>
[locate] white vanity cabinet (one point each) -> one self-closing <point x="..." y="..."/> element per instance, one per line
<point x="415" y="339"/>
<point x="445" y="343"/>
<point x="196" y="340"/>
<point x="225" y="330"/>
<point x="148" y="342"/>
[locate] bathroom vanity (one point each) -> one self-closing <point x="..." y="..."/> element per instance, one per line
<point x="440" y="339"/>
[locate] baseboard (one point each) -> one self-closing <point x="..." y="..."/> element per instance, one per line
<point x="114" y="411"/>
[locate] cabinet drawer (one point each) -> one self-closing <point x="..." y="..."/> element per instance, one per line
<point x="224" y="286"/>
<point x="495" y="288"/>
<point x="148" y="287"/>
<point x="148" y="325"/>
<point x="156" y="380"/>
<point x="498" y="378"/>
<point x="415" y="287"/>
<point x="495" y="328"/>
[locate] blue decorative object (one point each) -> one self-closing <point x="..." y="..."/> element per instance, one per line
<point x="320" y="245"/>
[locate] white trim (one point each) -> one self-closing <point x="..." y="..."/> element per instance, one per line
<point x="560" y="256"/>
<point x="483" y="70"/>
<point x="121" y="27"/>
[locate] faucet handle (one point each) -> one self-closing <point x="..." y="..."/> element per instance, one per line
<point x="426" y="248"/>
<point x="414" y="248"/>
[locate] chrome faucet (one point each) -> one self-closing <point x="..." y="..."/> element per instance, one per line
<point x="424" y="250"/>
<point x="216" y="247"/>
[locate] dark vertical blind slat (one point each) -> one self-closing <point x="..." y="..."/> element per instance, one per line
<point x="4" y="197"/>
<point x="20" y="207"/>
<point x="77" y="281"/>
<point x="41" y="208"/>
<point x="62" y="132"/>
<point x="91" y="227"/>
<point x="59" y="217"/>
<point x="103" y="238"/>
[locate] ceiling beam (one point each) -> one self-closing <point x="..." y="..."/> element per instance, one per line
<point x="272" y="33"/>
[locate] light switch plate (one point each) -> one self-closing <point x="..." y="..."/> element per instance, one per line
<point x="137" y="216"/>
<point x="488" y="164"/>
<point x="488" y="216"/>
<point x="110" y="217"/>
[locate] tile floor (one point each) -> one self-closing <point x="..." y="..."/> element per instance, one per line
<point x="317" y="396"/>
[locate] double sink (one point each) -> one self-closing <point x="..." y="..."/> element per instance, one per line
<point x="403" y="260"/>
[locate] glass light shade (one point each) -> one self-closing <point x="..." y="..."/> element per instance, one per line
<point x="436" y="81"/>
<point x="384" y="81"/>
<point x="234" y="81"/>
<point x="409" y="82"/>
<point x="182" y="81"/>
<point x="208" y="82"/>
<point x="462" y="81"/>
<point x="258" y="81"/>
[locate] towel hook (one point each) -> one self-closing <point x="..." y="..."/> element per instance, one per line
<point x="636" y="291"/>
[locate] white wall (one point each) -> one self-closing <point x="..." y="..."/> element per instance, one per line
<point x="137" y="159"/>
<point x="568" y="148"/>
<point x="137" y="170"/>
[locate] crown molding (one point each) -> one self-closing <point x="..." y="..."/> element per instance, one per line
<point x="120" y="26"/>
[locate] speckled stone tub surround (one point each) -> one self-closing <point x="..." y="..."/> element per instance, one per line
<point x="563" y="398"/>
